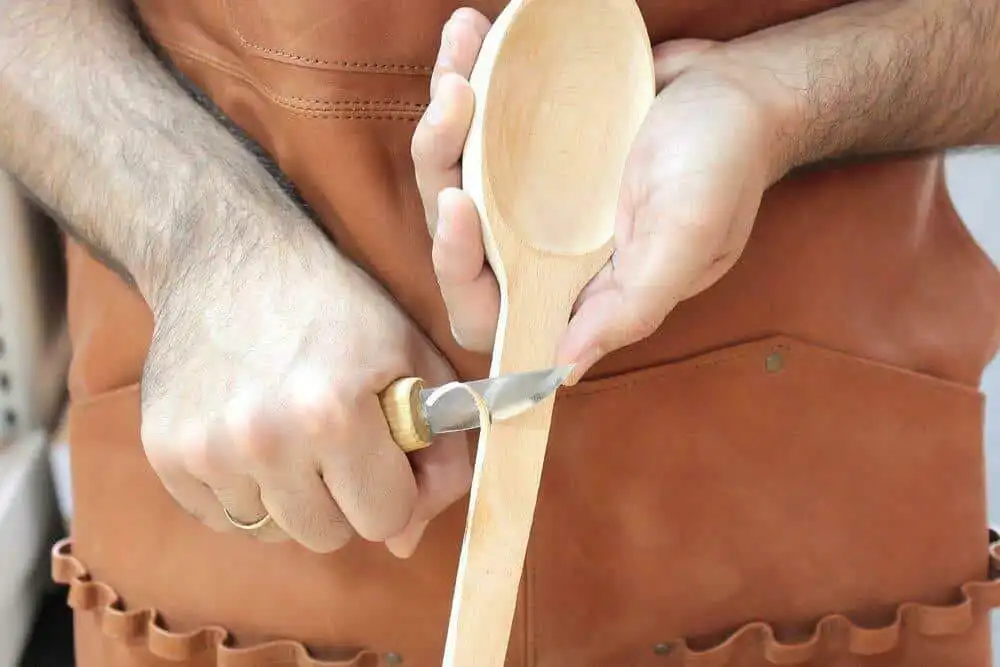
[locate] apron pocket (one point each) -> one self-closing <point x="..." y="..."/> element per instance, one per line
<point x="774" y="481"/>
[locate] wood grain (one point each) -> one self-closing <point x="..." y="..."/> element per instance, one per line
<point x="561" y="90"/>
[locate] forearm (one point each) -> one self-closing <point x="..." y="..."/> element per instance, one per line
<point x="875" y="77"/>
<point x="99" y="133"/>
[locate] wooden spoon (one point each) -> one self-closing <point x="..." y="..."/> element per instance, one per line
<point x="561" y="90"/>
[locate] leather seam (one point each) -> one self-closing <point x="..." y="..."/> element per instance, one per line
<point x="722" y="356"/>
<point x="630" y="379"/>
<point x="346" y="65"/>
<point x="389" y="109"/>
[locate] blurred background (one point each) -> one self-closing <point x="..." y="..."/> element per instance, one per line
<point x="35" y="501"/>
<point x="974" y="182"/>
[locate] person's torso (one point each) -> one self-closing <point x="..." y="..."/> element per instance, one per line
<point x="801" y="440"/>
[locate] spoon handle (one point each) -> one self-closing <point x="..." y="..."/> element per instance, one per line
<point x="538" y="298"/>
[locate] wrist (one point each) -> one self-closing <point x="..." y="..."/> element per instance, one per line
<point x="229" y="235"/>
<point x="769" y="110"/>
<point x="868" y="78"/>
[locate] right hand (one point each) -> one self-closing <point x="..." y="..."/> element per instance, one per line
<point x="691" y="188"/>
<point x="260" y="398"/>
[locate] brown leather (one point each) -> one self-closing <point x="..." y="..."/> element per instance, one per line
<point x="142" y="627"/>
<point x="790" y="471"/>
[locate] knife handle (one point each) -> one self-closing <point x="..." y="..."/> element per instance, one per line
<point x="401" y="404"/>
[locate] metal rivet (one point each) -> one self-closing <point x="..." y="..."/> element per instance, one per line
<point x="663" y="649"/>
<point x="393" y="659"/>
<point x="774" y="362"/>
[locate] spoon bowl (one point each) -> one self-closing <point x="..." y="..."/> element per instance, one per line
<point x="569" y="87"/>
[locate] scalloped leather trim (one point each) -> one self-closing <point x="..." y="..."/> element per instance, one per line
<point x="143" y="625"/>
<point x="978" y="598"/>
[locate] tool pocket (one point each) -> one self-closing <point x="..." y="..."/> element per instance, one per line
<point x="772" y="502"/>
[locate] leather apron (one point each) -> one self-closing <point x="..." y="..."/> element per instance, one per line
<point x="789" y="472"/>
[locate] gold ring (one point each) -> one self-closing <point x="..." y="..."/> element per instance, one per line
<point x="257" y="525"/>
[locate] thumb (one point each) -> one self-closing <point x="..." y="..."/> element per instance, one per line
<point x="607" y="321"/>
<point x="649" y="276"/>
<point x="673" y="57"/>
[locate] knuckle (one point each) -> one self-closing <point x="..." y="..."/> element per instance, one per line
<point x="170" y="445"/>
<point x="319" y="407"/>
<point x="422" y="143"/>
<point x="152" y="433"/>
<point x="249" y="439"/>
<point x="157" y="425"/>
<point x="391" y="515"/>
<point x="388" y="526"/>
<point x="330" y="538"/>
<point x="197" y="459"/>
<point x="643" y="316"/>
<point x="259" y="451"/>
<point x="703" y="230"/>
<point x="644" y="324"/>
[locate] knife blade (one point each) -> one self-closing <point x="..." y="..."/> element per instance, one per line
<point x="415" y="415"/>
<point x="506" y="396"/>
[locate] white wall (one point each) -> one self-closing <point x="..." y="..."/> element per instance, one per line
<point x="974" y="182"/>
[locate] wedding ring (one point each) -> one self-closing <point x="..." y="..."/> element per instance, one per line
<point x="249" y="527"/>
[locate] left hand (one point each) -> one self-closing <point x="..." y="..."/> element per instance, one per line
<point x="692" y="186"/>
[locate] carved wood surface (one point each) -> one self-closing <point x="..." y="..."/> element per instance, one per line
<point x="561" y="90"/>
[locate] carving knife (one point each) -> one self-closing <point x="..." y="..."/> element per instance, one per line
<point x="414" y="422"/>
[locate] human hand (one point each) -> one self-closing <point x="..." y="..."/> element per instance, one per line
<point x="260" y="399"/>
<point x="692" y="186"/>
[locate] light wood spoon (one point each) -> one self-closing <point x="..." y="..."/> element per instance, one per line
<point x="562" y="88"/>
